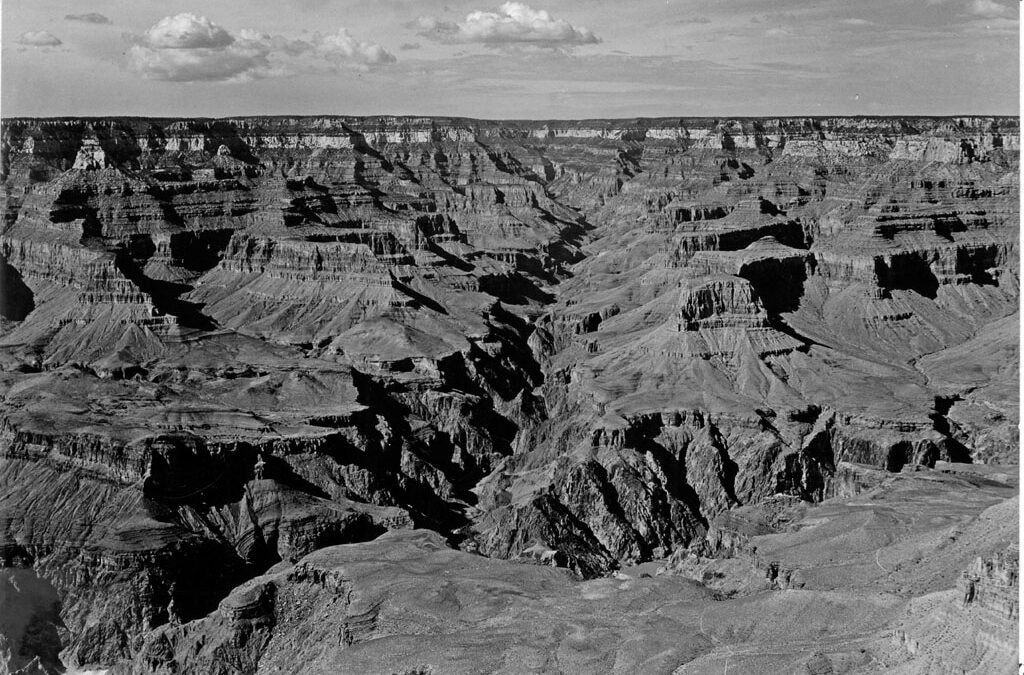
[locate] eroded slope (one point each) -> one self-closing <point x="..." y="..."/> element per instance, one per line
<point x="228" y="344"/>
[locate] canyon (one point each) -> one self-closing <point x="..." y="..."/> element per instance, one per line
<point x="441" y="395"/>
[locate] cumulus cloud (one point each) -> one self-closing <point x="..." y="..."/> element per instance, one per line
<point x="341" y="46"/>
<point x="513" y="22"/>
<point x="989" y="9"/>
<point x="188" y="48"/>
<point x="39" y="38"/>
<point x="88" y="17"/>
<point x="187" y="31"/>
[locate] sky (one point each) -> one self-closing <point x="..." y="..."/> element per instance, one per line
<point x="539" y="59"/>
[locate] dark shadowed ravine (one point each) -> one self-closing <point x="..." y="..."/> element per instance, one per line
<point x="438" y="395"/>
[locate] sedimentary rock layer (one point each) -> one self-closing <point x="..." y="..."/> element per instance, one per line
<point x="227" y="344"/>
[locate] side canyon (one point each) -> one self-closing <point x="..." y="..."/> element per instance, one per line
<point x="429" y="395"/>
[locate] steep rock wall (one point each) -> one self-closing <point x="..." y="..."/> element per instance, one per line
<point x="242" y="340"/>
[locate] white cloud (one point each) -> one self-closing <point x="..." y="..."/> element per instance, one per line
<point x="39" y="38"/>
<point x="341" y="46"/>
<point x="985" y="9"/>
<point x="240" y="61"/>
<point x="187" y="31"/>
<point x="513" y="22"/>
<point x="88" y="17"/>
<point x="989" y="8"/>
<point x="188" y="48"/>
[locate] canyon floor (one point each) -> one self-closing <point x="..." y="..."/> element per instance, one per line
<point x="439" y="395"/>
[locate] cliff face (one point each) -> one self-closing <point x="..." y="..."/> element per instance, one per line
<point x="229" y="343"/>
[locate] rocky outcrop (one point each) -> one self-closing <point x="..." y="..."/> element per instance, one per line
<point x="30" y="640"/>
<point x="983" y="612"/>
<point x="342" y="603"/>
<point x="406" y="602"/>
<point x="232" y="343"/>
<point x="991" y="584"/>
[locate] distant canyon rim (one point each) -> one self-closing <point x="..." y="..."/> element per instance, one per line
<point x="441" y="395"/>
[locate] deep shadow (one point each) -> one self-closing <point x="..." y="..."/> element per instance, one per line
<point x="515" y="289"/>
<point x="199" y="251"/>
<point x="423" y="300"/>
<point x="448" y="258"/>
<point x="907" y="272"/>
<point x="164" y="294"/>
<point x="779" y="283"/>
<point x="956" y="451"/>
<point x="16" y="299"/>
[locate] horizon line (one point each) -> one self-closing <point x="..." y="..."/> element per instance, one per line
<point x="634" y="118"/>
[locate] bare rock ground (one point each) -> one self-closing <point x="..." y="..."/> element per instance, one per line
<point x="775" y="359"/>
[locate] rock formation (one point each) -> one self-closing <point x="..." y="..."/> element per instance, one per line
<point x="241" y="358"/>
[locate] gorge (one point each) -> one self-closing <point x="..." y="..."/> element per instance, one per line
<point x="441" y="395"/>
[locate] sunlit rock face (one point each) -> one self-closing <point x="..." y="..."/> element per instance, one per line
<point x="226" y="345"/>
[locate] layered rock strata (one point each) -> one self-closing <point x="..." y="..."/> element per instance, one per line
<point x="226" y="344"/>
